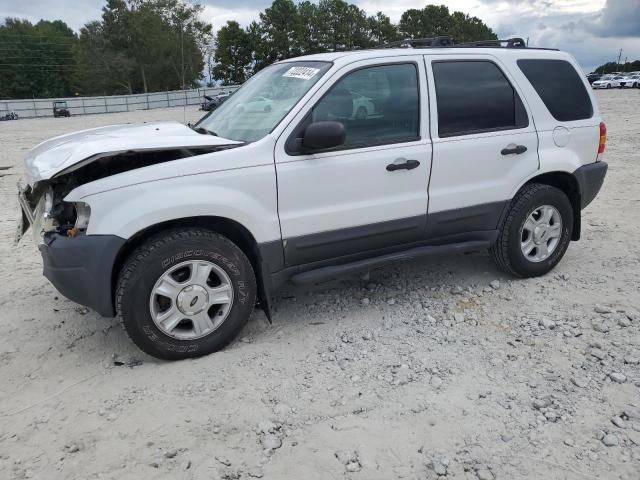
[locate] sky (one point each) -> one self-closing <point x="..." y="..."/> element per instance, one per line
<point x="593" y="31"/>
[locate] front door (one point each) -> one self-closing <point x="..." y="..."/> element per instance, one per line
<point x="484" y="144"/>
<point x="369" y="194"/>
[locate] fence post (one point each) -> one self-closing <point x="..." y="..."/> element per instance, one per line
<point x="106" y="107"/>
<point x="126" y="100"/>
<point x="84" y="109"/>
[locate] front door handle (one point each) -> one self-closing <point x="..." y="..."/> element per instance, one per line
<point x="405" y="165"/>
<point x="518" y="150"/>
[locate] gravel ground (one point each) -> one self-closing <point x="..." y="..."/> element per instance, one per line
<point x="443" y="367"/>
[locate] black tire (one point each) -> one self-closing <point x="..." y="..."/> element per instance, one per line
<point x="162" y="252"/>
<point x="608" y="85"/>
<point x="507" y="252"/>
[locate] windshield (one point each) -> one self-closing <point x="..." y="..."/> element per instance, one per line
<point x="255" y="109"/>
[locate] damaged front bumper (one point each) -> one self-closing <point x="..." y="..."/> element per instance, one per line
<point x="81" y="268"/>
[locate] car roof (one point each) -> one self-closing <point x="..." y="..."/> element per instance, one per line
<point x="356" y="55"/>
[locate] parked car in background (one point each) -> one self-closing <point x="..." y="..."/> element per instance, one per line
<point x="257" y="104"/>
<point x="631" y="81"/>
<point x="592" y="77"/>
<point x="9" y="116"/>
<point x="608" y="81"/>
<point x="363" y="106"/>
<point x="179" y="231"/>
<point x="60" y="109"/>
<point x="211" y="103"/>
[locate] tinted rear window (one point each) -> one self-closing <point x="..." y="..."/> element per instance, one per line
<point x="560" y="88"/>
<point x="474" y="97"/>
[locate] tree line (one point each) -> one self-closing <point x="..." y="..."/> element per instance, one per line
<point x="156" y="45"/>
<point x="619" y="67"/>
<point x="286" y="30"/>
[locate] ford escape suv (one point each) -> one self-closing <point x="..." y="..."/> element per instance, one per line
<point x="317" y="166"/>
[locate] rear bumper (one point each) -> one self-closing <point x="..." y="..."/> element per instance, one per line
<point x="81" y="268"/>
<point x="590" y="179"/>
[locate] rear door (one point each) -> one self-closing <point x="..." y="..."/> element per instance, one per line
<point x="370" y="193"/>
<point x="484" y="143"/>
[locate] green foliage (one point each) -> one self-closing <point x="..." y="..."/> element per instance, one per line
<point x="287" y="29"/>
<point x="154" y="45"/>
<point x="619" y="67"/>
<point x="36" y="60"/>
<point x="137" y="46"/>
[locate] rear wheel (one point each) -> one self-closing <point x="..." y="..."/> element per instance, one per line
<point x="536" y="231"/>
<point x="185" y="293"/>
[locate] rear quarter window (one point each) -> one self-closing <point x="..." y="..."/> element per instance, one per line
<point x="560" y="87"/>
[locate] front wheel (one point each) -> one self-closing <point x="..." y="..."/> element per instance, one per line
<point x="185" y="293"/>
<point x="535" y="233"/>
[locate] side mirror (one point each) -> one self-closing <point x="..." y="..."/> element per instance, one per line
<point x="323" y="135"/>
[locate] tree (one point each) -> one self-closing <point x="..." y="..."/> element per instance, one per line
<point x="233" y="54"/>
<point x="36" y="60"/>
<point x="436" y="21"/>
<point x="381" y="29"/>
<point x="618" y="67"/>
<point x="142" y="46"/>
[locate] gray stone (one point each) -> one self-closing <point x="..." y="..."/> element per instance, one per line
<point x="170" y="453"/>
<point x="600" y="327"/>
<point x="632" y="412"/>
<point x="601" y="309"/>
<point x="495" y="284"/>
<point x="484" y="474"/>
<point x="539" y="403"/>
<point x="632" y="360"/>
<point x="618" y="422"/>
<point x="367" y="335"/>
<point x="617" y="377"/>
<point x="365" y="301"/>
<point x="569" y="442"/>
<point x="458" y="318"/>
<point x="548" y="324"/>
<point x="186" y="465"/>
<point x="343" y="456"/>
<point x="223" y="460"/>
<point x="580" y="382"/>
<point x="353" y="467"/>
<point x="271" y="442"/>
<point x="438" y="467"/>
<point x="506" y="437"/>
<point x="610" y="440"/>
<point x="624" y="322"/>
<point x="599" y="354"/>
<point x="255" y="472"/>
<point x="435" y="382"/>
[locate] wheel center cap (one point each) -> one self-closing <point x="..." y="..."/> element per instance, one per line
<point x="540" y="234"/>
<point x="192" y="299"/>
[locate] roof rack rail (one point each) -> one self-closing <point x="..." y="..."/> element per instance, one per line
<point x="445" y="41"/>
<point x="420" y="42"/>
<point x="510" y="43"/>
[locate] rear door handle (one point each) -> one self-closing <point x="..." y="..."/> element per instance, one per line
<point x="518" y="150"/>
<point x="403" y="164"/>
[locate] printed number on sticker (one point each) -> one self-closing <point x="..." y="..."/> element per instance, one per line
<point x="303" y="73"/>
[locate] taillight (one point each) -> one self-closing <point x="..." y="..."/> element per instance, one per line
<point x="603" y="141"/>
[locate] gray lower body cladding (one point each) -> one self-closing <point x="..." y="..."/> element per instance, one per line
<point x="590" y="179"/>
<point x="81" y="268"/>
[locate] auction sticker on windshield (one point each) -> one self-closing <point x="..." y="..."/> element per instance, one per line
<point x="303" y="73"/>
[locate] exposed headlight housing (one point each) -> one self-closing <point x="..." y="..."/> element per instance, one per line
<point x="83" y="212"/>
<point x="43" y="220"/>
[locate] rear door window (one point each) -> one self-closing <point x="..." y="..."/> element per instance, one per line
<point x="474" y="96"/>
<point x="560" y="87"/>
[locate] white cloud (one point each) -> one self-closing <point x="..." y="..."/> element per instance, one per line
<point x="219" y="16"/>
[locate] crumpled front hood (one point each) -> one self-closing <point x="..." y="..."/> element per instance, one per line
<point x="59" y="153"/>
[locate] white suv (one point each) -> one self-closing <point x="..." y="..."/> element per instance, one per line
<point x="180" y="230"/>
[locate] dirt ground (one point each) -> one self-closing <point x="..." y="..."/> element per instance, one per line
<point x="440" y="367"/>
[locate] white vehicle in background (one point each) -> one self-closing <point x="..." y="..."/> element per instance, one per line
<point x="631" y="81"/>
<point x="257" y="104"/>
<point x="363" y="107"/>
<point x="608" y="81"/>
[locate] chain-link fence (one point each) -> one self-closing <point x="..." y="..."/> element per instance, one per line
<point x="43" y="107"/>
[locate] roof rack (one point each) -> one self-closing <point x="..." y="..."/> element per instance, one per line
<point x="446" y="41"/>
<point x="420" y="42"/>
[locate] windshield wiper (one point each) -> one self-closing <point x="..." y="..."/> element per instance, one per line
<point x="204" y="131"/>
